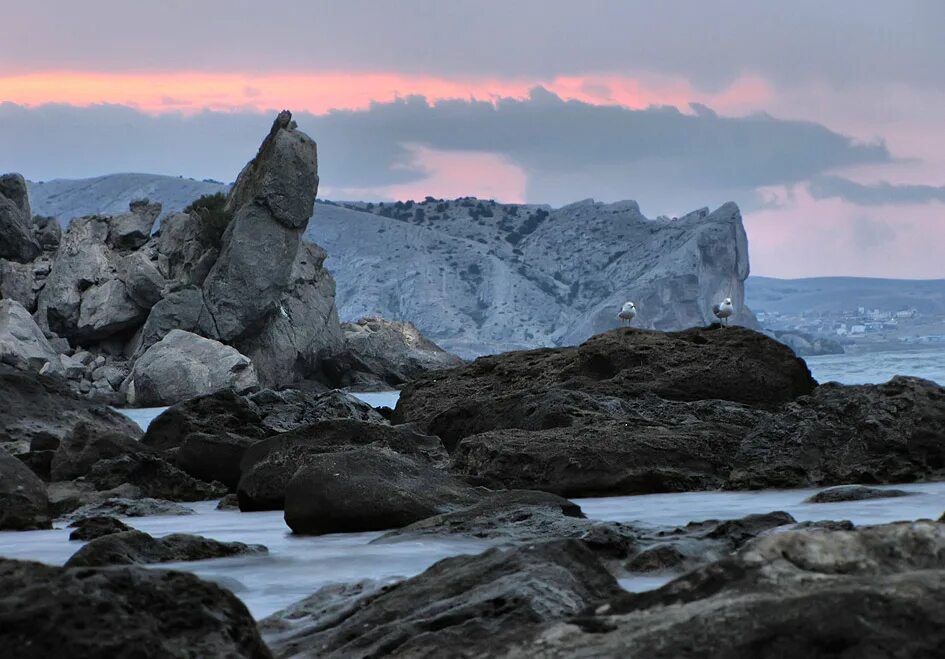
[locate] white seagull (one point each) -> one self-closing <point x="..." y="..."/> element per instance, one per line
<point x="627" y="312"/>
<point x="724" y="310"/>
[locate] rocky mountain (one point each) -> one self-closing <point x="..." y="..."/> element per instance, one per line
<point x="479" y="276"/>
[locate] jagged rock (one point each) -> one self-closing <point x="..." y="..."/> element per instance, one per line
<point x="269" y="207"/>
<point x="222" y="411"/>
<point x="18" y="282"/>
<point x="133" y="229"/>
<point x="733" y="364"/>
<point x="16" y="227"/>
<point x="49" y="611"/>
<point x="886" y="433"/>
<point x="136" y="547"/>
<point x="72" y="368"/>
<point x="153" y="477"/>
<point x="39" y="407"/>
<point x="292" y="408"/>
<point x="142" y="280"/>
<point x="66" y="497"/>
<point x="875" y="591"/>
<point x="267" y="466"/>
<point x="107" y="309"/>
<point x="183" y="365"/>
<point x="47" y="231"/>
<point x="382" y="353"/>
<point x="367" y="489"/>
<point x="23" y="501"/>
<point x="178" y="309"/>
<point x="124" y="507"/>
<point x="462" y="606"/>
<point x="181" y="246"/>
<point x="85" y="445"/>
<point x="22" y="343"/>
<point x="854" y="493"/>
<point x="89" y="528"/>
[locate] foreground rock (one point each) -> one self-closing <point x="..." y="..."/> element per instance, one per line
<point x="876" y="591"/>
<point x="89" y="528"/>
<point x="268" y="466"/>
<point x="368" y="489"/>
<point x="183" y="365"/>
<point x="855" y="493"/>
<point x="885" y="433"/>
<point x="22" y="343"/>
<point x="17" y="241"/>
<point x="461" y="606"/>
<point x="137" y="547"/>
<point x="125" y="611"/>
<point x="23" y="501"/>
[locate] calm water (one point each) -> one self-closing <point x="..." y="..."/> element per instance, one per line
<point x="296" y="566"/>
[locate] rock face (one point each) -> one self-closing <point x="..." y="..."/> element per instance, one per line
<point x="135" y="547"/>
<point x="17" y="241"/>
<point x="368" y="489"/>
<point x="22" y="343"/>
<point x="183" y="365"/>
<point x="125" y="611"/>
<point x="870" y="592"/>
<point x="887" y="433"/>
<point x="23" y="501"/>
<point x="462" y="606"/>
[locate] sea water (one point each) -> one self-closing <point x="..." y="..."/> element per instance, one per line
<point x="296" y="566"/>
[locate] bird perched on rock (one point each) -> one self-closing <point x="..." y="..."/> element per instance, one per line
<point x="627" y="312"/>
<point x="724" y="310"/>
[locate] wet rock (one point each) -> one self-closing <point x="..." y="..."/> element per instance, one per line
<point x="854" y="493"/>
<point x="289" y="409"/>
<point x="214" y="457"/>
<point x="368" y="489"/>
<point x="222" y="411"/>
<point x="23" y="502"/>
<point x="154" y="477"/>
<point x="885" y="433"/>
<point x="268" y="465"/>
<point x="229" y="502"/>
<point x="66" y="497"/>
<point x="22" y="343"/>
<point x="90" y="528"/>
<point x="183" y="365"/>
<point x="16" y="227"/>
<point x="49" y="611"/>
<point x="124" y="507"/>
<point x="464" y="606"/>
<point x="133" y="229"/>
<point x="137" y="547"/>
<point x="875" y="591"/>
<point x="86" y="445"/>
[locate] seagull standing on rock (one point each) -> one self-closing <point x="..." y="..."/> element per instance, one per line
<point x="627" y="312"/>
<point x="724" y="310"/>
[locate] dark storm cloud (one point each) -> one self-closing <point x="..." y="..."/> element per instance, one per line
<point x="842" y="42"/>
<point x="880" y="194"/>
<point x="568" y="149"/>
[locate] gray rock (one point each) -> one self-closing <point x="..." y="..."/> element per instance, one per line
<point x="50" y="611"/>
<point x="214" y="457"/>
<point x="136" y="547"/>
<point x="368" y="489"/>
<point x="182" y="245"/>
<point x="18" y="282"/>
<point x="178" y="309"/>
<point x="16" y="227"/>
<point x="229" y="502"/>
<point x="183" y="365"/>
<point x="462" y="606"/>
<point x="106" y="309"/>
<point x="22" y="343"/>
<point x="124" y="507"/>
<point x="47" y="231"/>
<point x="23" y="502"/>
<point x="153" y="477"/>
<point x="84" y="357"/>
<point x="85" y="445"/>
<point x="133" y="229"/>
<point x="855" y="493"/>
<point x="220" y="412"/>
<point x="289" y="409"/>
<point x="142" y="280"/>
<point x="72" y="368"/>
<point x="89" y="528"/>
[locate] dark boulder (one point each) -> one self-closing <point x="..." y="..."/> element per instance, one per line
<point x="885" y="433"/>
<point x="17" y="241"/>
<point x="23" y="501"/>
<point x="267" y="466"/>
<point x="89" y="528"/>
<point x="86" y="445"/>
<point x="137" y="547"/>
<point x="124" y="507"/>
<point x="855" y="493"/>
<point x="214" y="457"/>
<point x="462" y="606"/>
<point x="368" y="489"/>
<point x="220" y="412"/>
<point x="153" y="477"/>
<point x="120" y="612"/>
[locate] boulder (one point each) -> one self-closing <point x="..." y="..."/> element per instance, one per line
<point x="184" y="248"/>
<point x="125" y="507"/>
<point x="131" y="230"/>
<point x="17" y="242"/>
<point x="136" y="547"/>
<point x="89" y="528"/>
<point x="875" y="591"/>
<point x="143" y="283"/>
<point x="183" y="365"/>
<point x="368" y="489"/>
<point x="886" y="433"/>
<point x="47" y="231"/>
<point x="50" y="611"/>
<point x="18" y="282"/>
<point x="267" y="466"/>
<point x="223" y="411"/>
<point x="461" y="606"/>
<point x="22" y="342"/>
<point x="214" y="457"/>
<point x="733" y="364"/>
<point x="86" y="445"/>
<point x="153" y="477"/>
<point x="107" y="309"/>
<point x="23" y="502"/>
<point x="855" y="493"/>
<point x="178" y="309"/>
<point x="289" y="409"/>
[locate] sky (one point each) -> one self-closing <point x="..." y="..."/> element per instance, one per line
<point x="824" y="121"/>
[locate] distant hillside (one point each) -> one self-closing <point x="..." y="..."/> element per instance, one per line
<point x="65" y="199"/>
<point x="479" y="276"/>
<point x="836" y="294"/>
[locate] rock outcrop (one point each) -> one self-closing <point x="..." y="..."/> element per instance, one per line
<point x="17" y="241"/>
<point x="22" y="344"/>
<point x="50" y="611"/>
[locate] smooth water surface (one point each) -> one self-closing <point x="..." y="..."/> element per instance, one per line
<point x="877" y="367"/>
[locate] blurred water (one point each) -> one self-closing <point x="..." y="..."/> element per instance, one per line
<point x="875" y="367"/>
